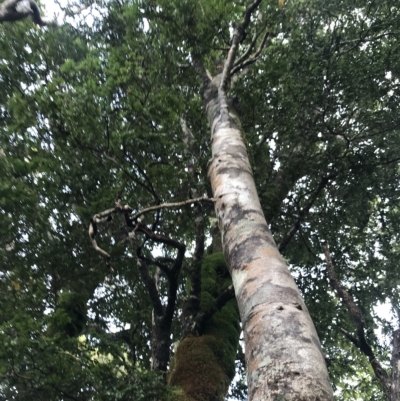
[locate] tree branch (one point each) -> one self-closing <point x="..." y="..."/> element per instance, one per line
<point x="150" y="286"/>
<point x="358" y="319"/>
<point x="247" y="60"/>
<point x="220" y="302"/>
<point x="15" y="10"/>
<point x="106" y="215"/>
<point x="353" y="339"/>
<point x="303" y="213"/>
<point x="237" y="38"/>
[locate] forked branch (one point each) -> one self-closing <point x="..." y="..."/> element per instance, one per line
<point x="246" y="60"/>
<point x="237" y="37"/>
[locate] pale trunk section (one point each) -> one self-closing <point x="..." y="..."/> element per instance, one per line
<point x="283" y="353"/>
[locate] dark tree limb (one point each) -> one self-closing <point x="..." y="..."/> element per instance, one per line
<point x="220" y="302"/>
<point x="247" y="53"/>
<point x="150" y="287"/>
<point x="154" y="262"/>
<point x="350" y="337"/>
<point x="192" y="305"/>
<point x="303" y="213"/>
<point x="355" y="312"/>
<point x="14" y="10"/>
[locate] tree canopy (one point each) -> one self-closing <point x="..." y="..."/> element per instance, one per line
<point x="107" y="223"/>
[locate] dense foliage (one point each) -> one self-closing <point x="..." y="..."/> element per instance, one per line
<point x="99" y="109"/>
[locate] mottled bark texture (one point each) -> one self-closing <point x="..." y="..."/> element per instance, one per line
<point x="283" y="353"/>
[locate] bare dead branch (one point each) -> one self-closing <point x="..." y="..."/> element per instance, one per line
<point x="172" y="205"/>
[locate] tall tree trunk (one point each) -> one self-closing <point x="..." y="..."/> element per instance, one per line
<point x="283" y="353"/>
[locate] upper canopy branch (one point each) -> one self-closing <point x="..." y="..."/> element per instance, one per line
<point x="237" y="38"/>
<point x="14" y="10"/>
<point x="246" y="59"/>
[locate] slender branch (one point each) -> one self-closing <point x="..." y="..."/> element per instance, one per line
<point x="106" y="215"/>
<point x="247" y="53"/>
<point x="303" y="213"/>
<point x="151" y="261"/>
<point x="358" y="319"/>
<point x="162" y="239"/>
<point x="247" y="61"/>
<point x="353" y="339"/>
